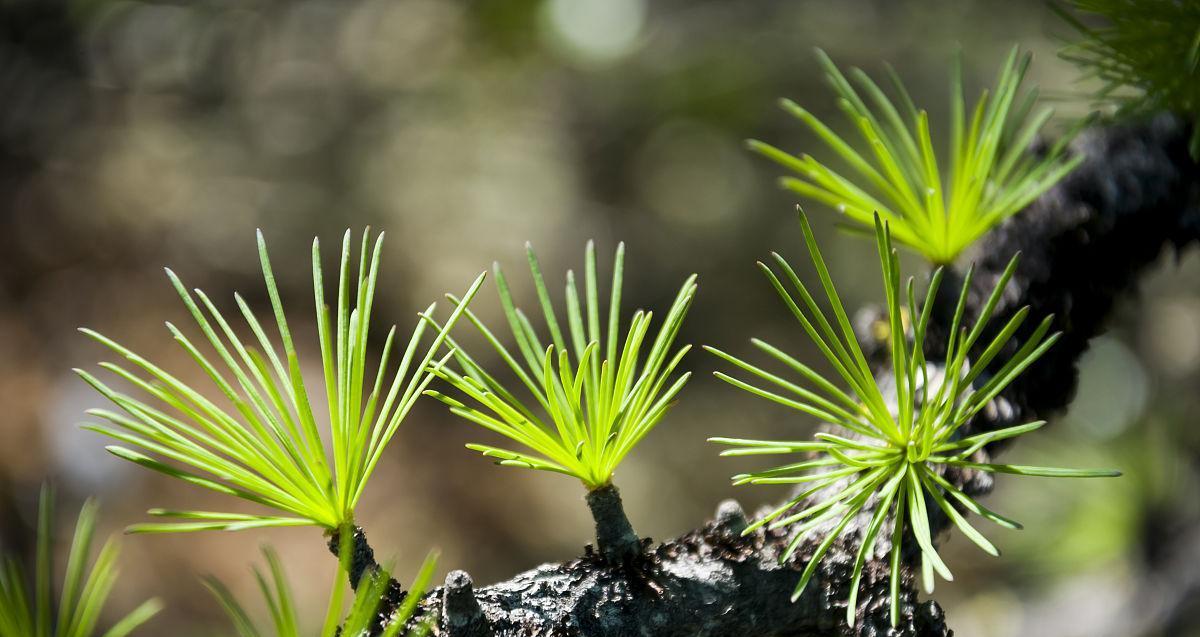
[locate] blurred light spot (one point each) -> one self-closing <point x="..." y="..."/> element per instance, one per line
<point x="692" y="174"/>
<point x="147" y="45"/>
<point x="159" y="139"/>
<point x="138" y="185"/>
<point x="996" y="613"/>
<point x="308" y="30"/>
<point x="1112" y="389"/>
<point x="510" y="183"/>
<point x="295" y="107"/>
<point x="390" y="45"/>
<point x="1172" y="334"/>
<point x="79" y="454"/>
<point x="595" y="31"/>
<point x="1090" y="604"/>
<point x="220" y="216"/>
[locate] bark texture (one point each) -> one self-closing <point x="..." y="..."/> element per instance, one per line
<point x="1084" y="244"/>
<point x="615" y="539"/>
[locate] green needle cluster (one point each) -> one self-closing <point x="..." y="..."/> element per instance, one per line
<point x="935" y="209"/>
<point x="894" y="453"/>
<point x="598" y="394"/>
<point x="83" y="591"/>
<point x="356" y="622"/>
<point x="1144" y="53"/>
<point x="265" y="445"/>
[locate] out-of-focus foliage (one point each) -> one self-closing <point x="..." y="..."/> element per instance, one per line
<point x="1145" y="54"/>
<point x="29" y="611"/>
<point x="286" y="620"/>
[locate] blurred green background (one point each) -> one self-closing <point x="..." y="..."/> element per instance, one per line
<point x="135" y="135"/>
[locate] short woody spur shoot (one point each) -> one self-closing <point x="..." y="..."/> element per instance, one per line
<point x="893" y="454"/>
<point x="599" y="393"/>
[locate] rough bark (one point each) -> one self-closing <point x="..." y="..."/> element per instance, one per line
<point x="1084" y="244"/>
<point x="615" y="539"/>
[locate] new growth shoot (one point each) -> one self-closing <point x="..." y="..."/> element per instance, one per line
<point x="596" y="392"/>
<point x="937" y="208"/>
<point x="264" y="444"/>
<point x="891" y="454"/>
<point x="599" y="394"/>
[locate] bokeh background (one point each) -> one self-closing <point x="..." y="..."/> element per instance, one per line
<point x="135" y="135"/>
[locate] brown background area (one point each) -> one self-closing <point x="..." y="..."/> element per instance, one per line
<point x="135" y="135"/>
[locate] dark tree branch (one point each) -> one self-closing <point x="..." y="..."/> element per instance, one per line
<point x="615" y="538"/>
<point x="363" y="564"/>
<point x="1084" y="245"/>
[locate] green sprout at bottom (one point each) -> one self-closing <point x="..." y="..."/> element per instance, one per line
<point x="357" y="621"/>
<point x="83" y="591"/>
<point x="895" y="454"/>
